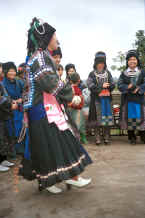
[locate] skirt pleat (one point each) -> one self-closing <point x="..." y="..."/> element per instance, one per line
<point x="55" y="155"/>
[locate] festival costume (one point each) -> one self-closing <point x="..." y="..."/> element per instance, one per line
<point x="100" y="111"/>
<point x="56" y="154"/>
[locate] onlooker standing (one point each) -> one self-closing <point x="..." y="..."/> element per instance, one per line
<point x="100" y="83"/>
<point x="132" y="87"/>
<point x="14" y="89"/>
<point x="1" y="72"/>
<point x="6" y="107"/>
<point x="76" y="106"/>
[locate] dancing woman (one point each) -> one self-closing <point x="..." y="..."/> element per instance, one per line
<point x="56" y="154"/>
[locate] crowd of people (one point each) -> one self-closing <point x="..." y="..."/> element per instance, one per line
<point x="45" y="117"/>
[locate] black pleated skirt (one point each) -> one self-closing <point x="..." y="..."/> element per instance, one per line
<point x="55" y="155"/>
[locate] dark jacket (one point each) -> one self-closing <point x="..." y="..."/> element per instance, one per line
<point x="127" y="94"/>
<point x="5" y="104"/>
<point x="95" y="89"/>
<point x="44" y="78"/>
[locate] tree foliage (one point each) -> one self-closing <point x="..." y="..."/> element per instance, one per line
<point x="140" y="45"/>
<point x="120" y="62"/>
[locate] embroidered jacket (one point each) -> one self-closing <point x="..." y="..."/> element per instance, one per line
<point x="42" y="77"/>
<point x="139" y="82"/>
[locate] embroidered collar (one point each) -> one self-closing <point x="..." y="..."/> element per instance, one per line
<point x="130" y="70"/>
<point x="101" y="75"/>
<point x="132" y="73"/>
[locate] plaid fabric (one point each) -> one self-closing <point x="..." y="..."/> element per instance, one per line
<point x="134" y="124"/>
<point x="107" y="121"/>
<point x="142" y="127"/>
<point x="106" y="112"/>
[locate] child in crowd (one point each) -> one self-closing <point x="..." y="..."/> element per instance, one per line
<point x="76" y="106"/>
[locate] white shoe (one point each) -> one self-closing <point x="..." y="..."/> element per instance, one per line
<point x="54" y="190"/>
<point x="80" y="183"/>
<point x="6" y="163"/>
<point x="3" y="169"/>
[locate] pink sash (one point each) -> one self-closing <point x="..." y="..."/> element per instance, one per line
<point x="54" y="111"/>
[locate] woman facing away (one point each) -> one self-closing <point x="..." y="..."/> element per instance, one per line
<point x="131" y="84"/>
<point x="56" y="154"/>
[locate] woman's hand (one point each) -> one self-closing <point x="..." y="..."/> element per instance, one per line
<point x="19" y="101"/>
<point x="106" y="85"/>
<point x="135" y="91"/>
<point x="130" y="86"/>
<point x="14" y="105"/>
<point x="25" y="120"/>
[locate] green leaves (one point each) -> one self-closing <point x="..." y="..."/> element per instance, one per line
<point x="140" y="45"/>
<point x="120" y="62"/>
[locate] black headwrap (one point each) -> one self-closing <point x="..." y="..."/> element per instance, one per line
<point x="57" y="52"/>
<point x="7" y="66"/>
<point x="100" y="57"/>
<point x="132" y="53"/>
<point x="39" y="36"/>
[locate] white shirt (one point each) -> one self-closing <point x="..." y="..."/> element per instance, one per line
<point x="130" y="70"/>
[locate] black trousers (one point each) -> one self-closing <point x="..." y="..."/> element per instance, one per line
<point x="2" y="158"/>
<point x="142" y="136"/>
<point x="131" y="135"/>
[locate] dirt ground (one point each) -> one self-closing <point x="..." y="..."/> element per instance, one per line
<point x="117" y="189"/>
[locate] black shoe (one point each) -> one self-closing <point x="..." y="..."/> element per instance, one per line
<point x="133" y="141"/>
<point x="107" y="142"/>
<point x="98" y="137"/>
<point x="142" y="139"/>
<point x="98" y="142"/>
<point x="40" y="188"/>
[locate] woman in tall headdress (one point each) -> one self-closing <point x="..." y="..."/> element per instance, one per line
<point x="56" y="154"/>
